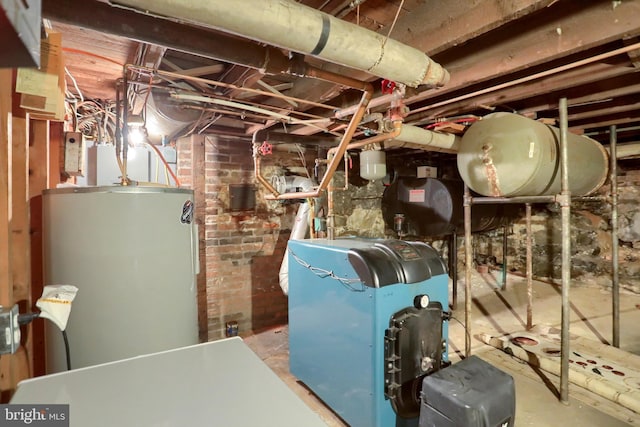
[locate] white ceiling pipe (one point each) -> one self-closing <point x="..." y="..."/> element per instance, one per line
<point x="302" y="29"/>
<point x="416" y="137"/>
<point x="626" y="151"/>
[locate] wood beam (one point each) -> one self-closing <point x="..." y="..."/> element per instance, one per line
<point x="434" y="28"/>
<point x="20" y="261"/>
<point x="204" y="70"/>
<point x="20" y="242"/>
<point x="625" y="119"/>
<point x="39" y="165"/>
<point x="634" y="55"/>
<point x="583" y="79"/>
<point x="563" y="30"/>
<point x="56" y="161"/>
<point x="6" y="282"/>
<point x="627" y="84"/>
<point x="198" y="149"/>
<point x="605" y="110"/>
<point x="102" y="17"/>
<point x="38" y="157"/>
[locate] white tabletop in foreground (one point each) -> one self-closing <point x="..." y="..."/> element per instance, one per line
<point x="221" y="383"/>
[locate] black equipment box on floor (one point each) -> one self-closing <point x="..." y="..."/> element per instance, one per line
<point x="470" y="393"/>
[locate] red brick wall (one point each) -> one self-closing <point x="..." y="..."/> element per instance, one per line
<point x="241" y="251"/>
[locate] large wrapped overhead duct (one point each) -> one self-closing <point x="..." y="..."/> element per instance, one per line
<point x="165" y="118"/>
<point x="506" y="155"/>
<point x="302" y="29"/>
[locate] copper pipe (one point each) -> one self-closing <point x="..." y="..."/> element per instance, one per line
<point x="397" y="128"/>
<point x="166" y="165"/>
<point x="331" y="227"/>
<point x="119" y="128"/>
<point x="346" y="172"/>
<point x="346" y="139"/>
<point x="336" y="153"/>
<point x="258" y="175"/>
<point x="330" y="198"/>
<point x="124" y="180"/>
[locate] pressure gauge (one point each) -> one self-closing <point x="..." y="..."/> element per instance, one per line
<point x="421" y="301"/>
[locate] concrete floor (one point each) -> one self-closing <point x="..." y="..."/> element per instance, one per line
<point x="497" y="312"/>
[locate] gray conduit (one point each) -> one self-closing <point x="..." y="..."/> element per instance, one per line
<point x="467" y="270"/>
<point x="615" y="282"/>
<point x="565" y="210"/>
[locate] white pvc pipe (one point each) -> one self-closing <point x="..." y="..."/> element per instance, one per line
<point x="241" y="106"/>
<point x="302" y="29"/>
<point x="624" y="151"/>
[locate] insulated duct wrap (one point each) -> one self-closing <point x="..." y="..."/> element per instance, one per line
<point x="424" y="139"/>
<point x="302" y="29"/>
<point x="506" y="155"/>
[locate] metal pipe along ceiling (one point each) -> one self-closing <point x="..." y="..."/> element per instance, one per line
<point x="306" y="30"/>
<point x="424" y="139"/>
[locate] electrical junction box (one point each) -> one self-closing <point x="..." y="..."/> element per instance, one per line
<point x="427" y="172"/>
<point x="9" y="330"/>
<point x="74" y="153"/>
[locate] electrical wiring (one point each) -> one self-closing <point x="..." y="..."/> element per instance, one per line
<point x="395" y="19"/>
<point x="67" y="350"/>
<point x="466" y="331"/>
<point x="445" y="121"/>
<point x="75" y="84"/>
<point x="164" y="161"/>
<point x="95" y="120"/>
<point x="346" y="282"/>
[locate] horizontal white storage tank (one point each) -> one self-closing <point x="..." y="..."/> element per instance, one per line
<point x="132" y="253"/>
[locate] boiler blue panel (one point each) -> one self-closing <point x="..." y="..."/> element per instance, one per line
<point x="337" y="327"/>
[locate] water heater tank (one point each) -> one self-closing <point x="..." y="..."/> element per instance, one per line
<point x="132" y="253"/>
<point x="506" y="155"/>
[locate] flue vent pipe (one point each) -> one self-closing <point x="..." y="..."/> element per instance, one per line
<point x="300" y="224"/>
<point x="305" y="30"/>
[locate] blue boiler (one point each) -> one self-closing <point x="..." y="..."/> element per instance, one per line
<point x="367" y="323"/>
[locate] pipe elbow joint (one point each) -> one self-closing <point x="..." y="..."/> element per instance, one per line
<point x="435" y="75"/>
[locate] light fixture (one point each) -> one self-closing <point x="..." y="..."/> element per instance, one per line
<point x="137" y="132"/>
<point x="137" y="136"/>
